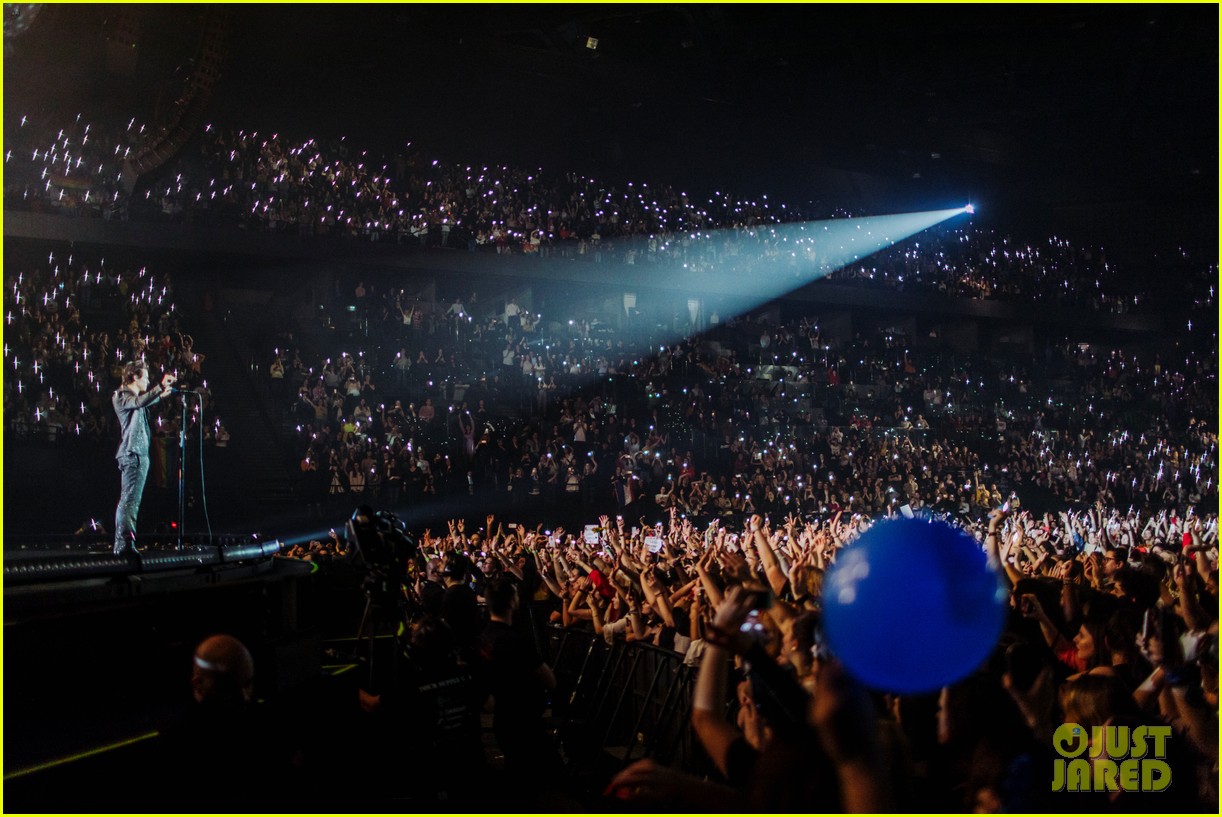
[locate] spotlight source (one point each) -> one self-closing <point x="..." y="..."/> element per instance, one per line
<point x="969" y="209"/>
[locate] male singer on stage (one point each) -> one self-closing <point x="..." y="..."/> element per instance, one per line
<point x="131" y="402"/>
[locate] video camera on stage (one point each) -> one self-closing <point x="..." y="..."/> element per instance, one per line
<point x="379" y="540"/>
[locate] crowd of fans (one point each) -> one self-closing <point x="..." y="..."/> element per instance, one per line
<point x="738" y="463"/>
<point x="271" y="182"/>
<point x="764" y="449"/>
<point x="754" y="415"/>
<point x="71" y="167"/>
<point x="1112" y="621"/>
<point x="71" y="323"/>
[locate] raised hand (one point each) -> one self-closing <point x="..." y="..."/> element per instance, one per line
<point x="1030" y="607"/>
<point x="1090" y="569"/>
<point x="727" y="620"/>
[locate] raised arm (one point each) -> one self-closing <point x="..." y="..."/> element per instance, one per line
<point x="715" y="732"/>
<point x="772" y="568"/>
<point x="545" y="575"/>
<point x="711" y="588"/>
<point x="1031" y="608"/>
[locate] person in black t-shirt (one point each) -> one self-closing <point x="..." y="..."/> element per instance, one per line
<point x="460" y="606"/>
<point x="430" y="590"/>
<point x="439" y="708"/>
<point x="519" y="681"/>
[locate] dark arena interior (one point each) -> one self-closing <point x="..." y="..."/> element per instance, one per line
<point x="610" y="408"/>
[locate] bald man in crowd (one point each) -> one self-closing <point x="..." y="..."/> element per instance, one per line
<point x="223" y="672"/>
<point x="222" y="752"/>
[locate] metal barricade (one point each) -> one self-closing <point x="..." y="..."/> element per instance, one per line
<point x="623" y="702"/>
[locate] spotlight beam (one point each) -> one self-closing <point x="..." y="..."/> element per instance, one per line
<point x="805" y="252"/>
<point x="800" y="254"/>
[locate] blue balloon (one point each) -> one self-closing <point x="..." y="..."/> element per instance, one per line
<point x="912" y="605"/>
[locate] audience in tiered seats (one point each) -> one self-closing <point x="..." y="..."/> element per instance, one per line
<point x="71" y="323"/>
<point x="318" y="186"/>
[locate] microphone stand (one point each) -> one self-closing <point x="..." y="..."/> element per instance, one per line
<point x="182" y="467"/>
<point x="182" y="464"/>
